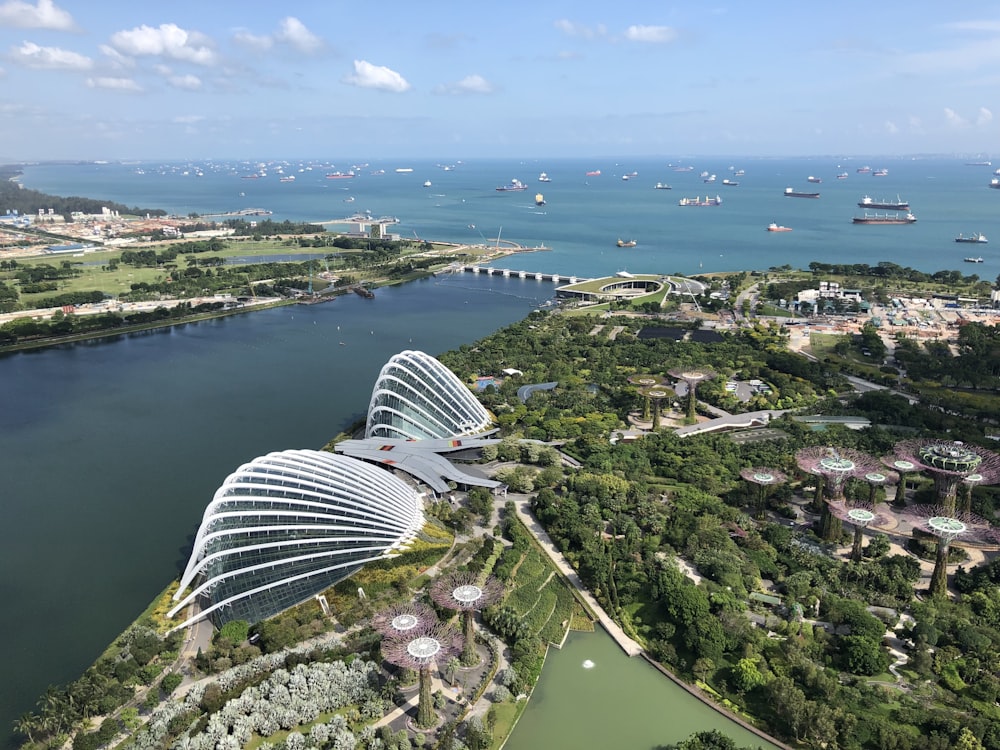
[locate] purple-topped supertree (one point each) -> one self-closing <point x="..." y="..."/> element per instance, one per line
<point x="903" y="468"/>
<point x="400" y="620"/>
<point x="763" y="477"/>
<point x="462" y="592"/>
<point x="947" y="525"/>
<point x="860" y="516"/>
<point x="646" y="382"/>
<point x="418" y="650"/>
<point x="834" y="466"/>
<point x="691" y="376"/>
<point x="964" y="503"/>
<point x="949" y="463"/>
<point x="876" y="479"/>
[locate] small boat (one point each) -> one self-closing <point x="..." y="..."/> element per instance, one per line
<point x="810" y="178"/>
<point x="539" y="199"/>
<point x="403" y="170"/>
<point x="842" y="176"/>
<point x="626" y="243"/>
<point x="290" y="178"/>
<point x="995" y="184"/>
<point x="427" y="183"/>
<point x="594" y="173"/>
<point x="662" y="186"/>
<point x="792" y="193"/>
<point x="738" y="173"/>
<point x="730" y="183"/>
<point x="880" y="173"/>
<point x="772" y="227"/>
<point x="978" y="259"/>
<point x="977" y="237"/>
<point x="349" y="199"/>
<point x="626" y="177"/>
<point x="544" y="178"/>
<point x="863" y="170"/>
<point x="710" y="178"/>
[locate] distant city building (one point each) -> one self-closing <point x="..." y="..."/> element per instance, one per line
<point x="288" y="525"/>
<point x="416" y="397"/>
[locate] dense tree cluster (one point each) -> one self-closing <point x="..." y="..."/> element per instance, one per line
<point x="14" y="197"/>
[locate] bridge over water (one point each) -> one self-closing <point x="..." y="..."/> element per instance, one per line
<point x="509" y="273"/>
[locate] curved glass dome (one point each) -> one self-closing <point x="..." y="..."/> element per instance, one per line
<point x="418" y="398"/>
<point x="289" y="524"/>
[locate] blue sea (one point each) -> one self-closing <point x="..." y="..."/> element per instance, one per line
<point x="584" y="215"/>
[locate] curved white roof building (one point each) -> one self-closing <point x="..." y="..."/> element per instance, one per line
<point x="417" y="398"/>
<point x="288" y="525"/>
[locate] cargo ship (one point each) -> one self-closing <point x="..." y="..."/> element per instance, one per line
<point x="791" y="193"/>
<point x="906" y="218"/>
<point x="810" y="178"/>
<point x="897" y="205"/>
<point x="772" y="227"/>
<point x="512" y="186"/>
<point x="340" y="176"/>
<point x="626" y="243"/>
<point x="697" y="201"/>
<point x="977" y="237"/>
<point x="594" y="173"/>
<point x="539" y="199"/>
<point x="977" y="259"/>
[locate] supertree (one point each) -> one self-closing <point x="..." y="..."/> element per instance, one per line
<point x="949" y="463"/>
<point x="418" y="650"/>
<point x="834" y="466"/>
<point x="763" y="478"/>
<point x="948" y="525"/>
<point x="400" y="620"/>
<point x="646" y="382"/>
<point x="876" y="479"/>
<point x="692" y="377"/>
<point x="655" y="393"/>
<point x="462" y="592"/>
<point x="901" y="467"/>
<point x="860" y="516"/>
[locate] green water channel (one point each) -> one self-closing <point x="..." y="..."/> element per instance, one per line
<point x="612" y="702"/>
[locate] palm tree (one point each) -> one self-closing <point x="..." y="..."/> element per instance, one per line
<point x="26" y="724"/>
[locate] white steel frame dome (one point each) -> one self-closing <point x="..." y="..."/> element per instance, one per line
<point x="287" y="525"/>
<point x="418" y="398"/>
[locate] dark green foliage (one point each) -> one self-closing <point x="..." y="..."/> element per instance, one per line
<point x="27" y="201"/>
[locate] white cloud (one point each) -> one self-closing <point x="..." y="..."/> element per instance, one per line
<point x="473" y="84"/>
<point x="116" y="58"/>
<point x="188" y="119"/>
<point x="954" y="119"/>
<point x="891" y="128"/>
<point x="253" y="41"/>
<point x="295" y="34"/>
<point x="653" y="34"/>
<point x="167" y="40"/>
<point x="126" y="85"/>
<point x="30" y="55"/>
<point x="985" y="116"/>
<point x="43" y="15"/>
<point x="187" y="82"/>
<point x="368" y="76"/>
<point x="571" y="28"/>
<point x="988" y="26"/>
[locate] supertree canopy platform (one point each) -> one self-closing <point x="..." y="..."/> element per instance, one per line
<point x="648" y="383"/>
<point x="762" y="477"/>
<point x="876" y="479"/>
<point x="860" y="516"/>
<point x="949" y="463"/>
<point x="835" y="466"/>
<point x="656" y="394"/>
<point x="691" y="376"/>
<point x="423" y="647"/>
<point x="463" y="592"/>
<point x="949" y="525"/>
<point x="402" y="620"/>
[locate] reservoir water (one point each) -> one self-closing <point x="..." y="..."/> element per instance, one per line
<point x="591" y="695"/>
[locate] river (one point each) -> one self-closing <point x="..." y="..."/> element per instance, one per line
<point x="613" y="701"/>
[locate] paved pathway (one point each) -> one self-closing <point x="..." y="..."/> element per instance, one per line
<point x="523" y="508"/>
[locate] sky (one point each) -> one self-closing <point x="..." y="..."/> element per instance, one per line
<point x="126" y="79"/>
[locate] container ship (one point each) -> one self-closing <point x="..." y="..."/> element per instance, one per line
<point x="789" y="192"/>
<point x="906" y="218"/>
<point x="897" y="205"/>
